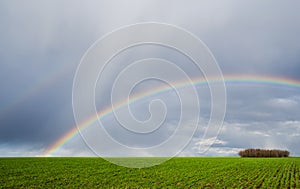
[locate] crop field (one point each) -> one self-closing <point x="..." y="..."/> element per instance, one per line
<point x="177" y="172"/>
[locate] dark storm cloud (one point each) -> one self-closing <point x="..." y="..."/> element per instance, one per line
<point x="38" y="60"/>
<point x="35" y="119"/>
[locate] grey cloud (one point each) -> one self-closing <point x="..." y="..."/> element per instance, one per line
<point x="42" y="43"/>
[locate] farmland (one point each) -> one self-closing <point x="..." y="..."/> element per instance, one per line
<point x="177" y="172"/>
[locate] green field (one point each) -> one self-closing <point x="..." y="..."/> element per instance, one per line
<point x="178" y="172"/>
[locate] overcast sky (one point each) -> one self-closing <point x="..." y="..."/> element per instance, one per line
<point x="42" y="42"/>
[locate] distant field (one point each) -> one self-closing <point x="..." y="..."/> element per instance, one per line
<point x="178" y="172"/>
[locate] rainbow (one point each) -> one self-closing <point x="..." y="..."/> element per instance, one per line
<point x="28" y="93"/>
<point x="229" y="79"/>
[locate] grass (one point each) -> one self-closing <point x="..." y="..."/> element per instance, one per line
<point x="177" y="172"/>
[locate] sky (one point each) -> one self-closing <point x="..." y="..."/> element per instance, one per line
<point x="43" y="42"/>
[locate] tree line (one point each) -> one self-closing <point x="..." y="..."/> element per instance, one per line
<point x="264" y="153"/>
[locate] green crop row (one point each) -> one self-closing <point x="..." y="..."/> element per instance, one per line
<point x="177" y="172"/>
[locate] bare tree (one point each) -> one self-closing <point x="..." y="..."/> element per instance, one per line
<point x="264" y="153"/>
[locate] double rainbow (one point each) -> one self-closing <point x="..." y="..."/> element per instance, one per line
<point x="242" y="79"/>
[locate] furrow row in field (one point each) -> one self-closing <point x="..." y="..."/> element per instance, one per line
<point x="260" y="180"/>
<point x="271" y="180"/>
<point x="297" y="175"/>
<point x="287" y="180"/>
<point x="294" y="180"/>
<point x="279" y="177"/>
